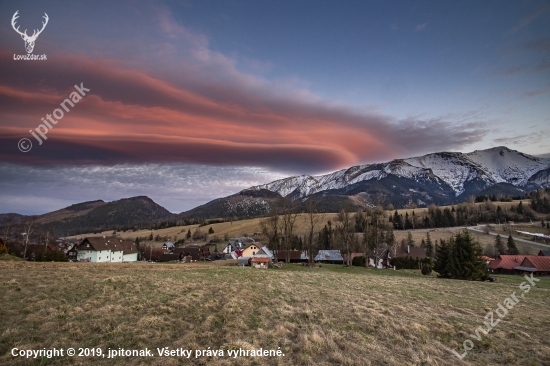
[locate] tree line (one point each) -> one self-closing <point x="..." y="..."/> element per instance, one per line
<point x="464" y="214"/>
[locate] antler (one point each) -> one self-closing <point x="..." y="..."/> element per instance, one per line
<point x="15" y="16"/>
<point x="43" y="26"/>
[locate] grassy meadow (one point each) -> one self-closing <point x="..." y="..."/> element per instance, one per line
<point x="317" y="316"/>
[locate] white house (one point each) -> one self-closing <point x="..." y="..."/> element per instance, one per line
<point x="102" y="250"/>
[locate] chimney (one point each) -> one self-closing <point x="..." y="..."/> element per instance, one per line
<point x="408" y="249"/>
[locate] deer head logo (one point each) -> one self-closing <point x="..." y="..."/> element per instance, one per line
<point x="29" y="41"/>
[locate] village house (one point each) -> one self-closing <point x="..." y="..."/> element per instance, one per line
<point x="544" y="253"/>
<point x="72" y="253"/>
<point x="262" y="259"/>
<point x="329" y="256"/>
<point x="195" y="252"/>
<point x="537" y="265"/>
<point x="103" y="249"/>
<point x="295" y="256"/>
<point x="506" y="264"/>
<point x="237" y="244"/>
<point x="251" y="249"/>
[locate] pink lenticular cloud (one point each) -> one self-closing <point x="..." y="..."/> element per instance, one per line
<point x="132" y="116"/>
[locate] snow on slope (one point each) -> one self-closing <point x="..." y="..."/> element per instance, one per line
<point x="450" y="168"/>
<point x="496" y="165"/>
<point x="505" y="165"/>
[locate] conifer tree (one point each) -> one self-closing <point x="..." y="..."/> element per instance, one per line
<point x="410" y="240"/>
<point x="429" y="246"/>
<point x="442" y="260"/>
<point x="408" y="223"/>
<point x="397" y="222"/>
<point x="188" y="236"/>
<point x="512" y="249"/>
<point x="461" y="259"/>
<point x="499" y="245"/>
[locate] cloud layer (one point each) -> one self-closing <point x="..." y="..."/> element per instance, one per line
<point x="132" y="116"/>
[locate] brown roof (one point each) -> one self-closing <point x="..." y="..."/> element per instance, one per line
<point x="506" y="261"/>
<point x="113" y="244"/>
<point x="129" y="246"/>
<point x="195" y="252"/>
<point x="413" y="252"/>
<point x="256" y="243"/>
<point x="294" y="255"/>
<point x="542" y="264"/>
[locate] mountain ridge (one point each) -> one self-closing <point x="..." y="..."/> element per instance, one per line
<point x="453" y="168"/>
<point x="441" y="178"/>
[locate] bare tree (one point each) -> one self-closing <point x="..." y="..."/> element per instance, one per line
<point x="289" y="214"/>
<point x="47" y="235"/>
<point x="345" y="232"/>
<point x="373" y="234"/>
<point x="28" y="226"/>
<point x="270" y="227"/>
<point x="9" y="222"/>
<point x="312" y="219"/>
<point x="366" y="240"/>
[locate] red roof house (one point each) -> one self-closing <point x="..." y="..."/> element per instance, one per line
<point x="535" y="264"/>
<point x="506" y="263"/>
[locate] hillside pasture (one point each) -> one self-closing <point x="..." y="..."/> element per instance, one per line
<point x="317" y="316"/>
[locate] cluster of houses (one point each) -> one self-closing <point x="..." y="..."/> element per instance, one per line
<point x="538" y="265"/>
<point x="248" y="252"/>
<point x="251" y="253"/>
<point x="169" y="252"/>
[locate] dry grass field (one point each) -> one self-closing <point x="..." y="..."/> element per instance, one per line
<point x="317" y="316"/>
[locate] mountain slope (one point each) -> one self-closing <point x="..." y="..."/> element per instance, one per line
<point x="464" y="174"/>
<point x="93" y="216"/>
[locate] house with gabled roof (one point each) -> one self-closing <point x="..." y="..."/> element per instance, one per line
<point x="506" y="264"/>
<point x="196" y="252"/>
<point x="262" y="259"/>
<point x="293" y="256"/>
<point x="106" y="250"/>
<point x="329" y="256"/>
<point x="251" y="249"/>
<point x="537" y="265"/>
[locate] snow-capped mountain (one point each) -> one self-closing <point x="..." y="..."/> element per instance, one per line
<point x="441" y="178"/>
<point x="458" y="172"/>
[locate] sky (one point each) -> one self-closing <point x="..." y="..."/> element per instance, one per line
<point x="189" y="101"/>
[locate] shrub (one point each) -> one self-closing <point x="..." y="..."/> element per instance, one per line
<point x="406" y="262"/>
<point x="358" y="261"/>
<point x="50" y="256"/>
